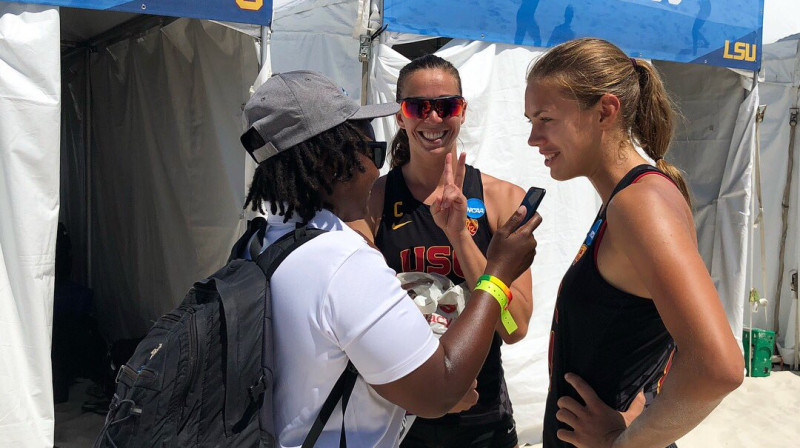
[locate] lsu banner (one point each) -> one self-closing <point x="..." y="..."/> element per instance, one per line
<point x="717" y="32"/>
<point x="258" y="12"/>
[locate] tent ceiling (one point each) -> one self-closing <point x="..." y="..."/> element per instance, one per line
<point x="79" y="25"/>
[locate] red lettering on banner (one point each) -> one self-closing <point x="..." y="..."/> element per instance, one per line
<point x="438" y="260"/>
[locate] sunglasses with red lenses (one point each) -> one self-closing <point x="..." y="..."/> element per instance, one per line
<point x="421" y="108"/>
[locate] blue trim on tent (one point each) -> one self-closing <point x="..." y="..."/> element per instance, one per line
<point x="672" y="30"/>
<point x="257" y="12"/>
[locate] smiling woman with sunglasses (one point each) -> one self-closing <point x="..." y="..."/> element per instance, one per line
<point x="425" y="216"/>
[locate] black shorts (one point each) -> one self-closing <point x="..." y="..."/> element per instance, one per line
<point x="502" y="434"/>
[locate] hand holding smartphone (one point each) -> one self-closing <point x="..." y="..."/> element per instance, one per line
<point x="531" y="202"/>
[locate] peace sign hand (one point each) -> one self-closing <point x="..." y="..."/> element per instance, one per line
<point x="596" y="424"/>
<point x="450" y="209"/>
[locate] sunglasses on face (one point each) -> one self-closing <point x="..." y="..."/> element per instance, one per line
<point x="376" y="151"/>
<point x="421" y="108"/>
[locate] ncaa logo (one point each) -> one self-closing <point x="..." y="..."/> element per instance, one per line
<point x="475" y="208"/>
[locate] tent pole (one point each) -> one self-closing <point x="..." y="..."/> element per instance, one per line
<point x="787" y="191"/>
<point x="87" y="139"/>
<point x="265" y="35"/>
<point x="365" y="54"/>
<point x="364" y="81"/>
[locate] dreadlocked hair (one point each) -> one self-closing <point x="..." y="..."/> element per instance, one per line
<point x="296" y="179"/>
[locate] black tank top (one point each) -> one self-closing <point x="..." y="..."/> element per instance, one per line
<point x="412" y="242"/>
<point x="614" y="340"/>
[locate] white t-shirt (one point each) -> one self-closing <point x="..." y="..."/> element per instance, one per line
<point x="335" y="299"/>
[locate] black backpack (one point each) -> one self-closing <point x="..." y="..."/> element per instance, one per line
<point x="200" y="376"/>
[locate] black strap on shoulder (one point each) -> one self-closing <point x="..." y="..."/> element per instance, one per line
<point x="626" y="180"/>
<point x="256" y="225"/>
<point x="342" y="389"/>
<point x="473" y="184"/>
<point x="270" y="259"/>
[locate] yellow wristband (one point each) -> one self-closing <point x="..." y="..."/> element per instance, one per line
<point x="498" y="282"/>
<point x="499" y="295"/>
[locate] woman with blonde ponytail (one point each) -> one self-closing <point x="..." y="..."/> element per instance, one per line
<point x="637" y="314"/>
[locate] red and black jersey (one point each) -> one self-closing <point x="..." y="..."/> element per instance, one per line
<point x="412" y="242"/>
<point x="614" y="340"/>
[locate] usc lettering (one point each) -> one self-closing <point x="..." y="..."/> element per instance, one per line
<point x="433" y="260"/>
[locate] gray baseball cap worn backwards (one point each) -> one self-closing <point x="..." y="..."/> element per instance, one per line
<point x="289" y="108"/>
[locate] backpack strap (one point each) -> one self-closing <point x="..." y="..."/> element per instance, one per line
<point x="256" y="225"/>
<point x="341" y="390"/>
<point x="247" y="320"/>
<point x="270" y="259"/>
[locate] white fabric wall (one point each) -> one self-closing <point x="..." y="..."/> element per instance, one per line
<point x="30" y="103"/>
<point x="714" y="145"/>
<point x="780" y="91"/>
<point x="166" y="167"/>
<point x="317" y="35"/>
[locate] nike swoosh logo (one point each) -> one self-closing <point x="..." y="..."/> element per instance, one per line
<point x="397" y="226"/>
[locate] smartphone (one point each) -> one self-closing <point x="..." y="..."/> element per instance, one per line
<point x="531" y="202"/>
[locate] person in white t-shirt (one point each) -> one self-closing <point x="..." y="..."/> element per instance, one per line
<point x="334" y="299"/>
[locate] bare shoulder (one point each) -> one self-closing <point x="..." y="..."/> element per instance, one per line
<point x="651" y="209"/>
<point x="502" y="198"/>
<point x="499" y="191"/>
